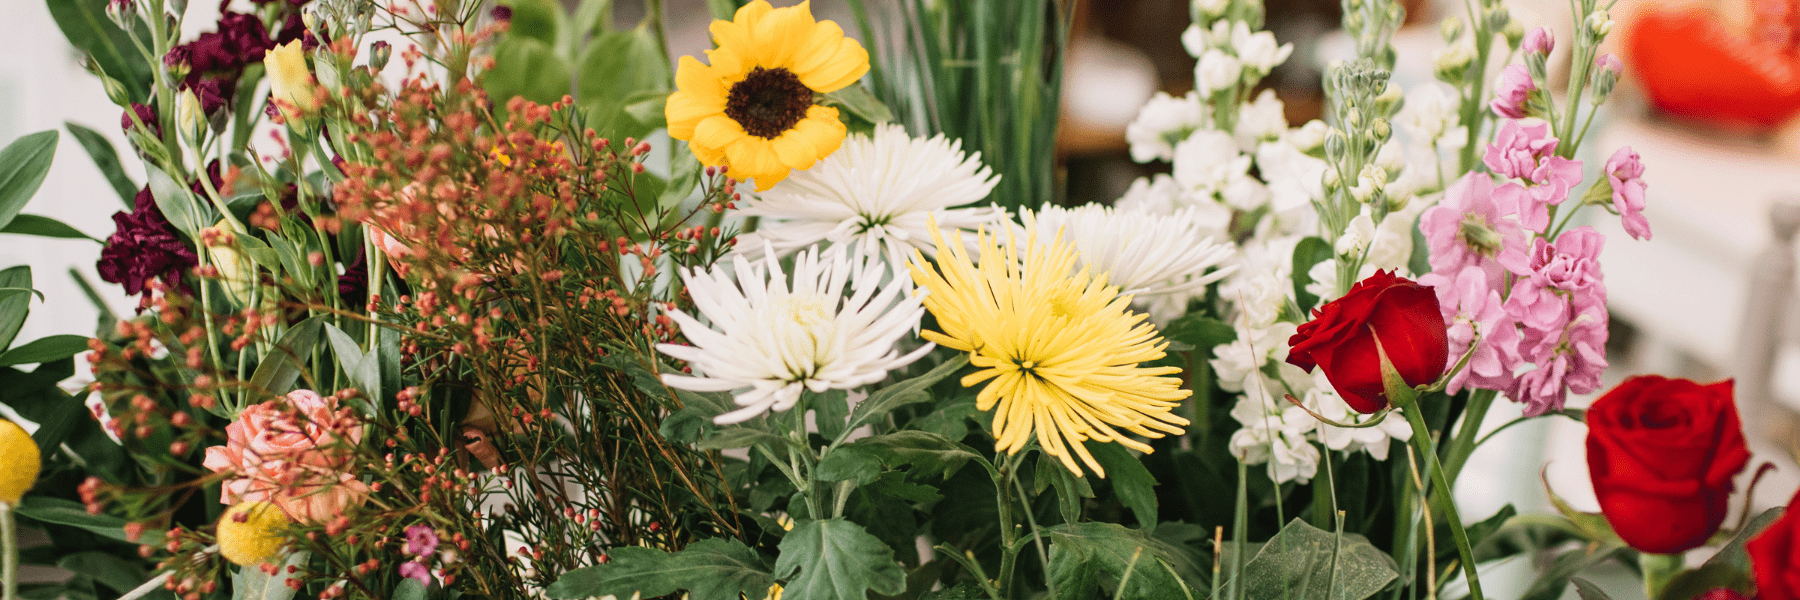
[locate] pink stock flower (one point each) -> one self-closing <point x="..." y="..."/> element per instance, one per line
<point x="1470" y="226"/>
<point x="1526" y="150"/>
<point x="292" y="452"/>
<point x="1513" y="92"/>
<point x="1560" y="305"/>
<point x="1539" y="41"/>
<point x="1625" y="173"/>
<point x="1476" y="316"/>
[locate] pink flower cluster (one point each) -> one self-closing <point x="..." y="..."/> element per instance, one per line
<point x="293" y="452"/>
<point x="1528" y="309"/>
<point x="421" y="542"/>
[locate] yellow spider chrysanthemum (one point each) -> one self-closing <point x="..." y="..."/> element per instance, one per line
<point x="1059" y="345"/>
<point x="752" y="109"/>
<point x="250" y="533"/>
<point x="18" y="462"/>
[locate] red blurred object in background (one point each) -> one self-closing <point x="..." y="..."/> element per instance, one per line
<point x="1694" y="66"/>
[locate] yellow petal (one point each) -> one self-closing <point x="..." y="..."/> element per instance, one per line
<point x="728" y="65"/>
<point x="847" y="62"/>
<point x="717" y="131"/>
<point x="779" y="35"/>
<point x="19" y="462"/>
<point x="694" y="77"/>
<point x="822" y="129"/>
<point x="686" y="109"/>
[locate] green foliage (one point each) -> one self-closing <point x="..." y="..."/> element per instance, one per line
<point x="46" y="349"/>
<point x="1307" y="562"/>
<point x="1131" y="481"/>
<point x="107" y="159"/>
<point x="1310" y="251"/>
<point x="1070" y="488"/>
<point x="42" y="226"/>
<point x="712" y="569"/>
<point x="1554" y="579"/>
<point x="73" y="514"/>
<point x="283" y="363"/>
<point x="1085" y="556"/>
<point x="23" y="166"/>
<point x="1200" y="331"/>
<point x="618" y="70"/>
<point x="1588" y="591"/>
<point x="628" y="570"/>
<point x="85" y="24"/>
<point x="177" y="203"/>
<point x="833" y="559"/>
<point x="528" y="67"/>
<point x="252" y="583"/>
<point x="913" y="390"/>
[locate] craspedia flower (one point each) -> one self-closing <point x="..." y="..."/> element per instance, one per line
<point x="752" y="109"/>
<point x="18" y="462"/>
<point x="250" y="533"/>
<point x="1057" y="346"/>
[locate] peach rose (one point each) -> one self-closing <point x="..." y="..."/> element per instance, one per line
<point x="292" y="452"/>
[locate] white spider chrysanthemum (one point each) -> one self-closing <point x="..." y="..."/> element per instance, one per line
<point x="771" y="341"/>
<point x="874" y="196"/>
<point x="1143" y="253"/>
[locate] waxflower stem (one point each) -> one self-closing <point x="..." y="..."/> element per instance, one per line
<point x="9" y="552"/>
<point x="1421" y="441"/>
<point x="1659" y="569"/>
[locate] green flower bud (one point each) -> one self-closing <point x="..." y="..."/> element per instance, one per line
<point x="1452" y="28"/>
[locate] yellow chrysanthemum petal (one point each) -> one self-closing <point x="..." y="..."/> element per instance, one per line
<point x="1060" y="349"/>
<point x="769" y="65"/>
<point x="18" y="462"/>
<point x="250" y="533"/>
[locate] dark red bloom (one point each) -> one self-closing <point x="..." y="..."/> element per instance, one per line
<point x="1774" y="556"/>
<point x="145" y="113"/>
<point x="1341" y="339"/>
<point x="353" y="285"/>
<point x="1662" y="453"/>
<point x="1721" y="594"/>
<point x="144" y="247"/>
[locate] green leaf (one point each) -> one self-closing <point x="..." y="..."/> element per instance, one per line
<point x="45" y="349"/>
<point x="1553" y="580"/>
<point x="1733" y="554"/>
<point x="1310" y="251"/>
<point x="830" y="410"/>
<point x="358" y="365"/>
<point x="540" y="20"/>
<point x="906" y="392"/>
<point x="1070" y="488"/>
<point x="13" y="309"/>
<point x="42" y="226"/>
<point x="1080" y="553"/>
<point x="177" y="203"/>
<point x="1200" y="331"/>
<point x="23" y="165"/>
<point x="619" y="72"/>
<point x="949" y="418"/>
<point x="106" y="568"/>
<point x="849" y="463"/>
<point x="1588" y="591"/>
<point x="107" y="159"/>
<point x="739" y="437"/>
<point x="251" y="583"/>
<point x="860" y="102"/>
<point x="526" y="67"/>
<point x="71" y="513"/>
<point x="721" y="569"/>
<point x="85" y="24"/>
<point x="592" y="16"/>
<point x="409" y="589"/>
<point x="1133" y="483"/>
<point x="629" y="570"/>
<point x="281" y="366"/>
<point x="923" y="451"/>
<point x="1307" y="562"/>
<point x="1691" y="583"/>
<point x="833" y="559"/>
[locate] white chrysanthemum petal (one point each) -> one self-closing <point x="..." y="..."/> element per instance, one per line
<point x="872" y="198"/>
<point x="1145" y="254"/>
<point x="774" y="336"/>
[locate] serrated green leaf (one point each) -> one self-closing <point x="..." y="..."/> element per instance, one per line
<point x="45" y="349"/>
<point x="43" y="226"/>
<point x="23" y="166"/>
<point x="849" y="463"/>
<point x="923" y="451"/>
<point x="281" y="366"/>
<point x="833" y="559"/>
<point x="830" y="410"/>
<point x="106" y="158"/>
<point x="1131" y="481"/>
<point x="1303" y="561"/>
<point x="721" y="569"/>
<point x="1082" y="552"/>
<point x="882" y="402"/>
<point x="739" y="437"/>
<point x="1310" y="251"/>
<point x="628" y="570"/>
<point x="1070" y="489"/>
<point x="949" y="418"/>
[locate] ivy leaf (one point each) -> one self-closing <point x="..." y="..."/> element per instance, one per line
<point x="1308" y="562"/>
<point x="629" y="570"/>
<point x="833" y="559"/>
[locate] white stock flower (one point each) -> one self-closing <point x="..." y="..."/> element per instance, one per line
<point x="1164" y="121"/>
<point x="1323" y="399"/>
<point x="1234" y="363"/>
<point x="1259" y="121"/>
<point x="1430" y="113"/>
<point x="1392" y="245"/>
<point x="1357" y="235"/>
<point x="1208" y="161"/>
<point x="1216" y="71"/>
<point x="1211" y="9"/>
<point x="1295" y="179"/>
<point x="1310" y="136"/>
<point x="1258" y="51"/>
<point x="1274" y="435"/>
<point x="1143" y="253"/>
<point x="770" y="341"/>
<point x="873" y="197"/>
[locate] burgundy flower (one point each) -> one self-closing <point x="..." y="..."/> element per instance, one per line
<point x="214" y="93"/>
<point x="144" y="247"/>
<point x="353" y="285"/>
<point x="241" y="39"/>
<point x="145" y="113"/>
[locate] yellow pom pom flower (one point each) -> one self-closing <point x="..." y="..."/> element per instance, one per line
<point x="752" y="108"/>
<point x="18" y="462"/>
<point x="1058" y="347"/>
<point x="250" y="533"/>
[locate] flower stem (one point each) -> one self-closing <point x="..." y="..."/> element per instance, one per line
<point x="9" y="552"/>
<point x="1659" y="569"/>
<point x="1009" y="551"/>
<point x="1463" y="445"/>
<point x="1421" y="441"/>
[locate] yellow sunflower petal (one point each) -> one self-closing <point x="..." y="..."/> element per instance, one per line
<point x="830" y="63"/>
<point x="821" y="129"/>
<point x="778" y="36"/>
<point x="717" y="132"/>
<point x="729" y="65"/>
<point x="751" y="158"/>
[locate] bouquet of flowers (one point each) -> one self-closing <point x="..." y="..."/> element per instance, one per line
<point x="536" y="311"/>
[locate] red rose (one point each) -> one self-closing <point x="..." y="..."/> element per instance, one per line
<point x="1662" y="453"/>
<point x="1773" y="556"/>
<point x="1341" y="339"/>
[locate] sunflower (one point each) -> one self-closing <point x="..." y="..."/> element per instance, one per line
<point x="1057" y="346"/>
<point x="752" y="109"/>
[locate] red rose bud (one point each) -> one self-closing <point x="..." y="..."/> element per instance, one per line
<point x="1774" y="557"/>
<point x="1662" y="453"/>
<point x="1341" y="339"/>
<point x="1718" y="594"/>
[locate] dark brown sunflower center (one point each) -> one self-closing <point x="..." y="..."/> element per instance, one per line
<point x="768" y="102"/>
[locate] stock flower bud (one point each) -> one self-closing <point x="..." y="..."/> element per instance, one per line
<point x="1606" y="74"/>
<point x="379" y="53"/>
<point x="236" y="273"/>
<point x="1452" y="61"/>
<point x="1452" y="28"/>
<point x="190" y="118"/>
<point x="1309" y="137"/>
<point x="18" y="462"/>
<point x="1540" y="40"/>
<point x="1207" y="10"/>
<point x="1514" y="33"/>
<point x="250" y="533"/>
<point x="1598" y="23"/>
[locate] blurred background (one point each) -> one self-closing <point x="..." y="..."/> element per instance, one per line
<point x="1711" y="87"/>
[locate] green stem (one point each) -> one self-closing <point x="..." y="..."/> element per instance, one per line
<point x="9" y="552"/>
<point x="1659" y="569"/>
<point x="1421" y="441"/>
<point x="1009" y="551"/>
<point x="1240" y="527"/>
<point x="1463" y="445"/>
